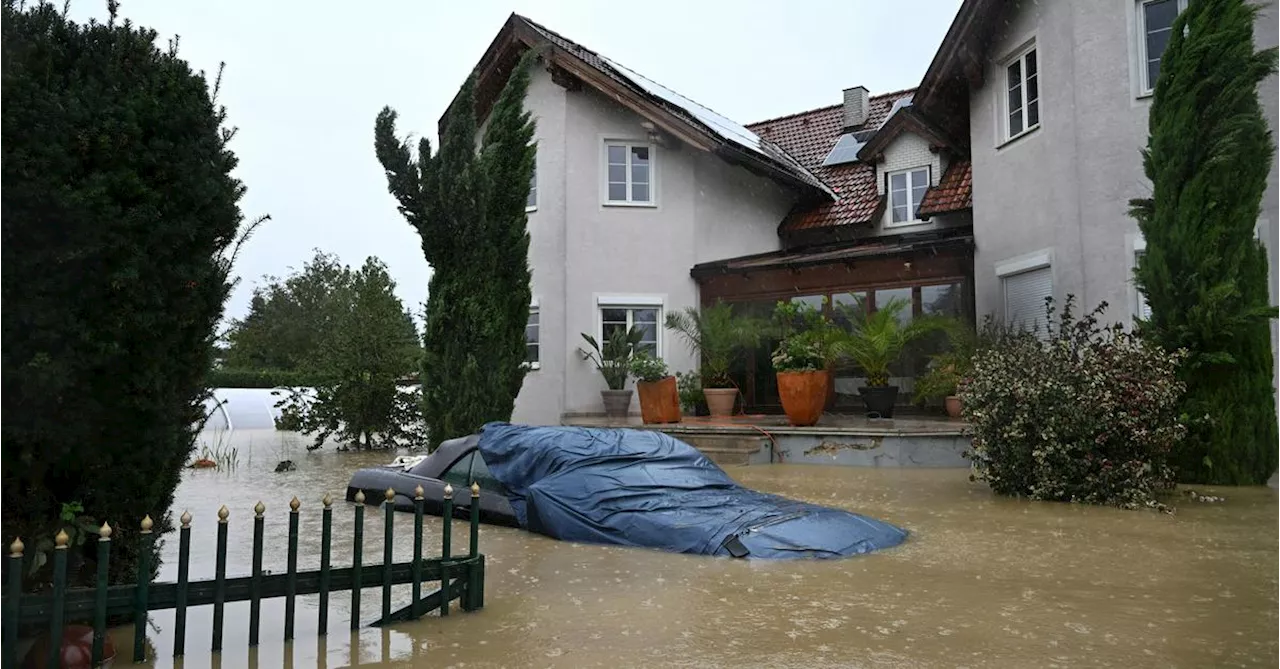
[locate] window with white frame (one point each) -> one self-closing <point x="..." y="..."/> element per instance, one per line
<point x="1022" y="93"/>
<point x="614" y="317"/>
<point x="531" y="203"/>
<point x="1155" y="24"/>
<point x="906" y="192"/>
<point x="532" y="342"/>
<point x="628" y="173"/>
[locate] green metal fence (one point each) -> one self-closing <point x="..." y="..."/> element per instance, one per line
<point x="460" y="577"/>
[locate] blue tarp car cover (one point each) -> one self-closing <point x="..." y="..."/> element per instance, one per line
<point x="644" y="488"/>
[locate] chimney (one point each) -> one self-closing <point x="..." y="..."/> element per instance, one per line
<point x="856" y="106"/>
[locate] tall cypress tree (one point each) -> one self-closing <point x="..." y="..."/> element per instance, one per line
<point x="1204" y="272"/>
<point x="469" y="209"/>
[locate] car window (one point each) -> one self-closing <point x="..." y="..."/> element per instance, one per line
<point x="480" y="474"/>
<point x="459" y="475"/>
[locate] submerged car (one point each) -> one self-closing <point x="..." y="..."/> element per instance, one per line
<point x="457" y="462"/>
<point x="623" y="487"/>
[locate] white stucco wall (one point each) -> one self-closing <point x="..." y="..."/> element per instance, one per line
<point x="581" y="249"/>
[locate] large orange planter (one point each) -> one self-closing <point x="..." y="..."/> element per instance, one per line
<point x="659" y="401"/>
<point x="804" y="395"/>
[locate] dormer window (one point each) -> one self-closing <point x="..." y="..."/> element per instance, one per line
<point x="906" y="192"/>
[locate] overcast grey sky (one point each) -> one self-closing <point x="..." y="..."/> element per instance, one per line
<point x="304" y="81"/>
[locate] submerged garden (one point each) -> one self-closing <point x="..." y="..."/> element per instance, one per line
<point x="122" y="224"/>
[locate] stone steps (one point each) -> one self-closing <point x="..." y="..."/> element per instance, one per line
<point x="724" y="449"/>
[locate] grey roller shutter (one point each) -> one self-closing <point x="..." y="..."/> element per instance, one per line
<point x="1024" y="296"/>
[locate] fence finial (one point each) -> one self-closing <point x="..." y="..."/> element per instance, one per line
<point x="359" y="496"/>
<point x="15" y="548"/>
<point x="259" y="509"/>
<point x="61" y="539"/>
<point x="104" y="532"/>
<point x="294" y="504"/>
<point x="327" y="501"/>
<point x="147" y="523"/>
<point x="390" y="494"/>
<point x="475" y="489"/>
<point x="418" y="492"/>
<point x="185" y="518"/>
<point x="223" y="514"/>
<point x="448" y="491"/>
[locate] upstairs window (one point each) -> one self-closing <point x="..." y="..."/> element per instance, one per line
<point x="1022" y="93"/>
<point x="628" y="173"/>
<point x="906" y="192"/>
<point x="1155" y="24"/>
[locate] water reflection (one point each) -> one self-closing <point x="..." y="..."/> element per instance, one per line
<point x="983" y="582"/>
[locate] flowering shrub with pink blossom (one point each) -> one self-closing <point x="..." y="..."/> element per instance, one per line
<point x="1082" y="413"/>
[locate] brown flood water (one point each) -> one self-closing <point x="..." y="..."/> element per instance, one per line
<point x="982" y="582"/>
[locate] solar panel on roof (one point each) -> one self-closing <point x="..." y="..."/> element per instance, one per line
<point x="845" y="150"/>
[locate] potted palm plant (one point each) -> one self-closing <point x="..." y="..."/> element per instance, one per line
<point x="802" y="361"/>
<point x="613" y="360"/>
<point x="659" y="399"/>
<point x="949" y="369"/>
<point x="718" y="337"/>
<point x="874" y="343"/>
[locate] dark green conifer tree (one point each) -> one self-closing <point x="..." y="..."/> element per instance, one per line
<point x="469" y="209"/>
<point x="1204" y="272"/>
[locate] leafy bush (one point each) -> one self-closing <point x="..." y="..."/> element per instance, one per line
<point x="121" y="217"/>
<point x="1087" y="414"/>
<point x="689" y="387"/>
<point x="648" y="368"/>
<point x="951" y="368"/>
<point x="235" y="377"/>
<point x="808" y="340"/>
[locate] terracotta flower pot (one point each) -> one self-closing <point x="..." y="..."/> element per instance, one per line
<point x="659" y="400"/>
<point x="720" y="401"/>
<point x="804" y="395"/>
<point x="954" y="406"/>
<point x="616" y="403"/>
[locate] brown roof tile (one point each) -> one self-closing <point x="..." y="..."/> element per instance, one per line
<point x="954" y="191"/>
<point x="809" y="137"/>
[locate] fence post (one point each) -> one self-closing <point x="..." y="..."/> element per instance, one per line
<point x="255" y="596"/>
<point x="291" y="579"/>
<point x="418" y="504"/>
<point x="100" y="598"/>
<point x="326" y="536"/>
<point x="12" y="604"/>
<point x="447" y="518"/>
<point x="357" y="559"/>
<point x="473" y="587"/>
<point x="389" y="512"/>
<point x="220" y="578"/>
<point x="140" y="590"/>
<point x="59" y="595"/>
<point x="180" y="608"/>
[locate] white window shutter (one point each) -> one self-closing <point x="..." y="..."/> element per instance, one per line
<point x="1024" y="296"/>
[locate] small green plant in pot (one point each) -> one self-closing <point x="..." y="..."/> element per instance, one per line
<point x="659" y="398"/>
<point x="874" y="343"/>
<point x="806" y="349"/>
<point x="718" y="337"/>
<point x="689" y="387"/>
<point x="949" y="369"/>
<point x="614" y="360"/>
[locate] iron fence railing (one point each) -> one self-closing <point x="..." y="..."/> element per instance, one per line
<point x="460" y="578"/>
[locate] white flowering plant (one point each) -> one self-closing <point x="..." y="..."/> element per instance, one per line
<point x="1083" y="413"/>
